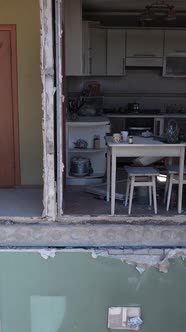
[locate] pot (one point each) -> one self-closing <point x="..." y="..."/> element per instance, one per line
<point x="80" y="166"/>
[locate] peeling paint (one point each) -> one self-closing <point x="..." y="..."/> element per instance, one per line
<point x="46" y="253"/>
<point x="144" y="261"/>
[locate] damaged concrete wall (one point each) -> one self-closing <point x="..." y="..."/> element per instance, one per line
<point x="81" y="288"/>
<point x="47" y="75"/>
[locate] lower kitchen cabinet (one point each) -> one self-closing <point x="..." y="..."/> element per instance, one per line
<point x="86" y="131"/>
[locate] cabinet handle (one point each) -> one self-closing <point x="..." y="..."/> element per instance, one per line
<point x="123" y="66"/>
<point x="84" y="63"/>
<point x="144" y="55"/>
<point x="90" y="66"/>
<point x="180" y="51"/>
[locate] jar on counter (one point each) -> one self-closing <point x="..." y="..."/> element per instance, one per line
<point x="130" y="139"/>
<point x="96" y="142"/>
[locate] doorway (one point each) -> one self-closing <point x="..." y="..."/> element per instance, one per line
<point x="9" y="132"/>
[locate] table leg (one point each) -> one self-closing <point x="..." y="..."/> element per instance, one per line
<point x="113" y="181"/>
<point x="181" y="171"/>
<point x="108" y="174"/>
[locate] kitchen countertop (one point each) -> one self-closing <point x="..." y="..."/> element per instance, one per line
<point x="140" y="115"/>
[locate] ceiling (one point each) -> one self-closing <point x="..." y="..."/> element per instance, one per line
<point x="127" y="5"/>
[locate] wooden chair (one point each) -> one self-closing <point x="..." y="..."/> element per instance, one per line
<point x="141" y="177"/>
<point x="172" y="178"/>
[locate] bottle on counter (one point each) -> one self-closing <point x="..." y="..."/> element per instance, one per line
<point x="130" y="139"/>
<point x="96" y="142"/>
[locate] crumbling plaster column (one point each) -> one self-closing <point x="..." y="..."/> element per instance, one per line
<point x="47" y="77"/>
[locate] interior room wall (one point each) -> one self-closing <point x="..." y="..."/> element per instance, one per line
<point x="73" y="291"/>
<point x="145" y="86"/>
<point x="25" y="14"/>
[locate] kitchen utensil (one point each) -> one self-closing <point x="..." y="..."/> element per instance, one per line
<point x="80" y="166"/>
<point x="116" y="138"/>
<point x="124" y="135"/>
<point x="81" y="144"/>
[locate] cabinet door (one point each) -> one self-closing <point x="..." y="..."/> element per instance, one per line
<point x="145" y="43"/>
<point x="97" y="65"/>
<point x="175" y="41"/>
<point x="73" y="37"/>
<point x="115" y="52"/>
<point x="86" y="48"/>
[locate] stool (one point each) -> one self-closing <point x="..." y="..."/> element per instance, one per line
<point x="172" y="178"/>
<point x="141" y="177"/>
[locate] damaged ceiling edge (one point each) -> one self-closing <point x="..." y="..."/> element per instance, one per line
<point x="144" y="259"/>
<point x="141" y="259"/>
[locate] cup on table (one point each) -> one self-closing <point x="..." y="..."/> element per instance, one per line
<point x="116" y="138"/>
<point x="124" y="135"/>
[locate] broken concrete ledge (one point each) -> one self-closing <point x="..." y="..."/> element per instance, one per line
<point x="92" y="236"/>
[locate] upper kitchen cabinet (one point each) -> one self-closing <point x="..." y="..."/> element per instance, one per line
<point x="116" y="52"/>
<point x="73" y="38"/>
<point x="145" y="47"/>
<point x="104" y="51"/>
<point x="174" y="64"/>
<point x="97" y="51"/>
<point x="175" y="41"/>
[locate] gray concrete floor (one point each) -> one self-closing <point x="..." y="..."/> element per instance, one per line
<point x="78" y="202"/>
<point x="21" y="202"/>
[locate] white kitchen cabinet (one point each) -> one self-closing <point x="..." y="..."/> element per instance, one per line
<point x="86" y="130"/>
<point x="144" y="47"/>
<point x="115" y="52"/>
<point x="106" y="51"/>
<point x="175" y="42"/>
<point x="73" y="38"/>
<point x="97" y="60"/>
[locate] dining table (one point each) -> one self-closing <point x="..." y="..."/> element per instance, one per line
<point x="142" y="147"/>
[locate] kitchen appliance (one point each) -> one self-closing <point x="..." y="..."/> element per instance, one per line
<point x="172" y="132"/>
<point x="136" y="126"/>
<point x="80" y="167"/>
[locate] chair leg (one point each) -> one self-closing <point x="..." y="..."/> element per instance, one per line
<point x="154" y="194"/>
<point x="150" y="195"/>
<point x="166" y="189"/>
<point x="169" y="192"/>
<point x="131" y="194"/>
<point x="127" y="191"/>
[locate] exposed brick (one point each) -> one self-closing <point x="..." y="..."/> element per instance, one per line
<point x="141" y="251"/>
<point x="115" y="251"/>
<point x="128" y="251"/>
<point x="156" y="252"/>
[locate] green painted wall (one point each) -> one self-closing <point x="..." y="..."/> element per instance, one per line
<point x="73" y="291"/>
<point x="25" y="14"/>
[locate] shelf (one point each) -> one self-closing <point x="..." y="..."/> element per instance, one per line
<point x="88" y="121"/>
<point x="95" y="178"/>
<point x="86" y="150"/>
<point x="92" y="176"/>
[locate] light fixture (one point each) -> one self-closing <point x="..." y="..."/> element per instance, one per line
<point x="168" y="12"/>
